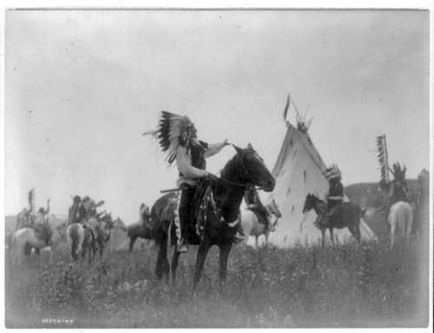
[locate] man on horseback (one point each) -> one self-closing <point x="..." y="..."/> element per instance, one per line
<point x="335" y="196"/>
<point x="41" y="225"/>
<point x="75" y="211"/>
<point x="254" y="204"/>
<point x="336" y="189"/>
<point x="178" y="137"/>
<point x="398" y="188"/>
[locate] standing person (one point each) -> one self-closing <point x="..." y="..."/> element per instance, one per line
<point x="178" y="137"/>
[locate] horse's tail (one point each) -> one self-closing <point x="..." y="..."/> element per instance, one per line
<point x="91" y="243"/>
<point x="74" y="241"/>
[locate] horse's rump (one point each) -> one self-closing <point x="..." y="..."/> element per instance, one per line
<point x="159" y="206"/>
<point x="75" y="236"/>
<point x="347" y="213"/>
<point x="401" y="216"/>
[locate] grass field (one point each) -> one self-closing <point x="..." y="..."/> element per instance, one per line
<point x="343" y="286"/>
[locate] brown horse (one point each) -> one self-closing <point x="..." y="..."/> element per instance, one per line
<point x="345" y="215"/>
<point x="222" y="214"/>
<point x="140" y="229"/>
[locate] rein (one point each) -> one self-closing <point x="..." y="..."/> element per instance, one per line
<point x="246" y="173"/>
<point x="234" y="183"/>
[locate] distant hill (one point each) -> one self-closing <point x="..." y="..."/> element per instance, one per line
<point x="369" y="195"/>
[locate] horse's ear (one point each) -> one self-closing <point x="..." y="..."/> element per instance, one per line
<point x="249" y="146"/>
<point x="237" y="149"/>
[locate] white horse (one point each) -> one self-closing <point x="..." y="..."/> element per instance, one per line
<point x="400" y="220"/>
<point x="26" y="239"/>
<point x="81" y="241"/>
<point x="251" y="225"/>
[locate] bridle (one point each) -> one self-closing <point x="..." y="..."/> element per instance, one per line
<point x="246" y="175"/>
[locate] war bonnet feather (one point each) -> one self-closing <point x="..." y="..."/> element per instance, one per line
<point x="398" y="172"/>
<point x="173" y="131"/>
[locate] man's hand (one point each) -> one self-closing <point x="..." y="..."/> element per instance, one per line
<point x="209" y="175"/>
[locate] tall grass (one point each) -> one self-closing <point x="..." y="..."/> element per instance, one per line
<point x="344" y="286"/>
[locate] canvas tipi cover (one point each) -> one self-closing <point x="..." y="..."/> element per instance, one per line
<point x="298" y="171"/>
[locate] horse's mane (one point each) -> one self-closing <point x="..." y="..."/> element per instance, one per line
<point x="317" y="198"/>
<point x="226" y="191"/>
<point x="230" y="166"/>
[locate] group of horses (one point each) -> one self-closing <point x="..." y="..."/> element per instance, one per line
<point x="221" y="215"/>
<point x="349" y="215"/>
<point x="83" y="239"/>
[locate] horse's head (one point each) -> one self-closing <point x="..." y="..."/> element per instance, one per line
<point x="310" y="202"/>
<point x="251" y="169"/>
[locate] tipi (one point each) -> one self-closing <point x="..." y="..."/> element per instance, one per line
<point x="298" y="171"/>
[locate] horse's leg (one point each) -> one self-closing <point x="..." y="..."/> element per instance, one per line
<point x="101" y="248"/>
<point x="409" y="226"/>
<point x="323" y="237"/>
<point x="223" y="263"/>
<point x="357" y="230"/>
<point x="175" y="259"/>
<point x="331" y="236"/>
<point x="162" y="261"/>
<point x="200" y="260"/>
<point x="132" y="241"/>
<point x="256" y="242"/>
<point x="84" y="249"/>
<point x="267" y="233"/>
<point x="92" y="252"/>
<point x="392" y="234"/>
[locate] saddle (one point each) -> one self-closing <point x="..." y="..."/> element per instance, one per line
<point x="331" y="217"/>
<point x="203" y="201"/>
<point x="206" y="202"/>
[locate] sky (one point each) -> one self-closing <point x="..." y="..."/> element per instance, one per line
<point x="81" y="87"/>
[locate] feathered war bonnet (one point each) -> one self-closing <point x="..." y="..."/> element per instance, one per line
<point x="398" y="172"/>
<point x="333" y="172"/>
<point x="173" y="131"/>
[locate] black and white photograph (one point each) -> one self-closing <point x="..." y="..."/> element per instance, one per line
<point x="217" y="168"/>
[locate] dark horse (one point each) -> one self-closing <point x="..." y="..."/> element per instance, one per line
<point x="245" y="168"/>
<point x="141" y="229"/>
<point x="345" y="215"/>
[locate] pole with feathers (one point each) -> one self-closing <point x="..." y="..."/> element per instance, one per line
<point x="383" y="160"/>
